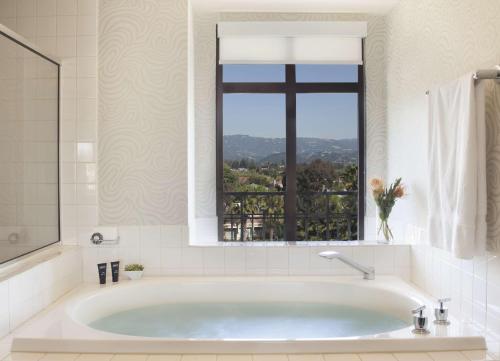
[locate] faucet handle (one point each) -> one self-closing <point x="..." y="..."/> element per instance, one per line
<point x="441" y="301"/>
<point x="441" y="313"/>
<point x="419" y="310"/>
<point x="419" y="321"/>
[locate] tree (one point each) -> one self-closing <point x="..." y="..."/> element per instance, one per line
<point x="316" y="176"/>
<point x="230" y="180"/>
<point x="260" y="179"/>
<point x="348" y="180"/>
<point x="331" y="212"/>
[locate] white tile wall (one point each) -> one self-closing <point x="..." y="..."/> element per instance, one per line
<point x="164" y="250"/>
<point x="27" y="293"/>
<point x="473" y="285"/>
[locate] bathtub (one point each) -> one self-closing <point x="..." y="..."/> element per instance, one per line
<point x="139" y="316"/>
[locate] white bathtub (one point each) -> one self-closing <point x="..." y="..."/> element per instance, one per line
<point x="65" y="326"/>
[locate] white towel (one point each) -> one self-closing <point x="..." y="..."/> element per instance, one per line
<point x="457" y="168"/>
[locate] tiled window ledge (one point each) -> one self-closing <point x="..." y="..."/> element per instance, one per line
<point x="303" y="244"/>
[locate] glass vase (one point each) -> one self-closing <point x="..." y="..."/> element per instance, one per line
<point x="384" y="233"/>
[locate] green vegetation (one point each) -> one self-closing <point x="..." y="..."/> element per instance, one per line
<point x="320" y="214"/>
<point x="134" y="267"/>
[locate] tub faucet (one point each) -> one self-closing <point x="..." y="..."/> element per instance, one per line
<point x="368" y="272"/>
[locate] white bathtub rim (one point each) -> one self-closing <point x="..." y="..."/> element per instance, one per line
<point x="155" y="346"/>
<point x="34" y="337"/>
<point x="94" y="294"/>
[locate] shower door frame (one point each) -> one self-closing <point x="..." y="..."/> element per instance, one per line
<point x="19" y="40"/>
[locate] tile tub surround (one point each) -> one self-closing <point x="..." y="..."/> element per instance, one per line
<point x="474" y="286"/>
<point x="28" y="292"/>
<point x="62" y="327"/>
<point x="164" y="250"/>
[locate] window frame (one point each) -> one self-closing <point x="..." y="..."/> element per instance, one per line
<point x="290" y="88"/>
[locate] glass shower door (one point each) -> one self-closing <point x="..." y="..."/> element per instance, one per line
<point x="29" y="161"/>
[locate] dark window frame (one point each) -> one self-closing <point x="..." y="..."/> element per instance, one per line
<point x="290" y="88"/>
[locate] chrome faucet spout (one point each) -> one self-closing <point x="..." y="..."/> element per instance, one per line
<point x="368" y="272"/>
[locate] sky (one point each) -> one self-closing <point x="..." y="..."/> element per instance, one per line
<point x="327" y="116"/>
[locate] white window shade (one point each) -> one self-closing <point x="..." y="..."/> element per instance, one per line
<point x="291" y="42"/>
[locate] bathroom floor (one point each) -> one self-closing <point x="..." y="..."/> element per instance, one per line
<point x="6" y="355"/>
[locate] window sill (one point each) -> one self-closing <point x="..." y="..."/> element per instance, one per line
<point x="203" y="233"/>
<point x="366" y="243"/>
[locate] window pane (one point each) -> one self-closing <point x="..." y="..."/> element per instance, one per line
<point x="254" y="161"/>
<point x="265" y="73"/>
<point x="324" y="73"/>
<point x="327" y="158"/>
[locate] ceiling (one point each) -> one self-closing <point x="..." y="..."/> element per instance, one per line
<point x="310" y="6"/>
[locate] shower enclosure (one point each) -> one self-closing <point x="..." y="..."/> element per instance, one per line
<point x="29" y="147"/>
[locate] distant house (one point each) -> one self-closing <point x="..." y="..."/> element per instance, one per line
<point x="278" y="184"/>
<point x="252" y="231"/>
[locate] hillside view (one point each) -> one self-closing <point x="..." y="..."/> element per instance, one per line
<point x="272" y="150"/>
<point x="326" y="188"/>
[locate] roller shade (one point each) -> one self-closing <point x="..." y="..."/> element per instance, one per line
<point x="291" y="42"/>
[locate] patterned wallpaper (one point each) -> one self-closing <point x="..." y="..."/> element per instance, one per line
<point x="428" y="43"/>
<point x="142" y="112"/>
<point x="204" y="39"/>
<point x="142" y="108"/>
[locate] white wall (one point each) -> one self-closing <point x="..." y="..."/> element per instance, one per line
<point x="28" y="292"/>
<point x="428" y="43"/>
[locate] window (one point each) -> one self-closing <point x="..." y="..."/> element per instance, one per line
<point x="290" y="152"/>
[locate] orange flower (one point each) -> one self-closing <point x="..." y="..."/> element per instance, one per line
<point x="377" y="184"/>
<point x="399" y="191"/>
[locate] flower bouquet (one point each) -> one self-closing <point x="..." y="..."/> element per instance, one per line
<point x="385" y="198"/>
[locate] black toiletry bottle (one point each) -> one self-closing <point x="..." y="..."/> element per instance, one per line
<point x="101" y="267"/>
<point x="115" y="270"/>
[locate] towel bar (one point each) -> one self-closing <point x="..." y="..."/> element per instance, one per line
<point x="485" y="74"/>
